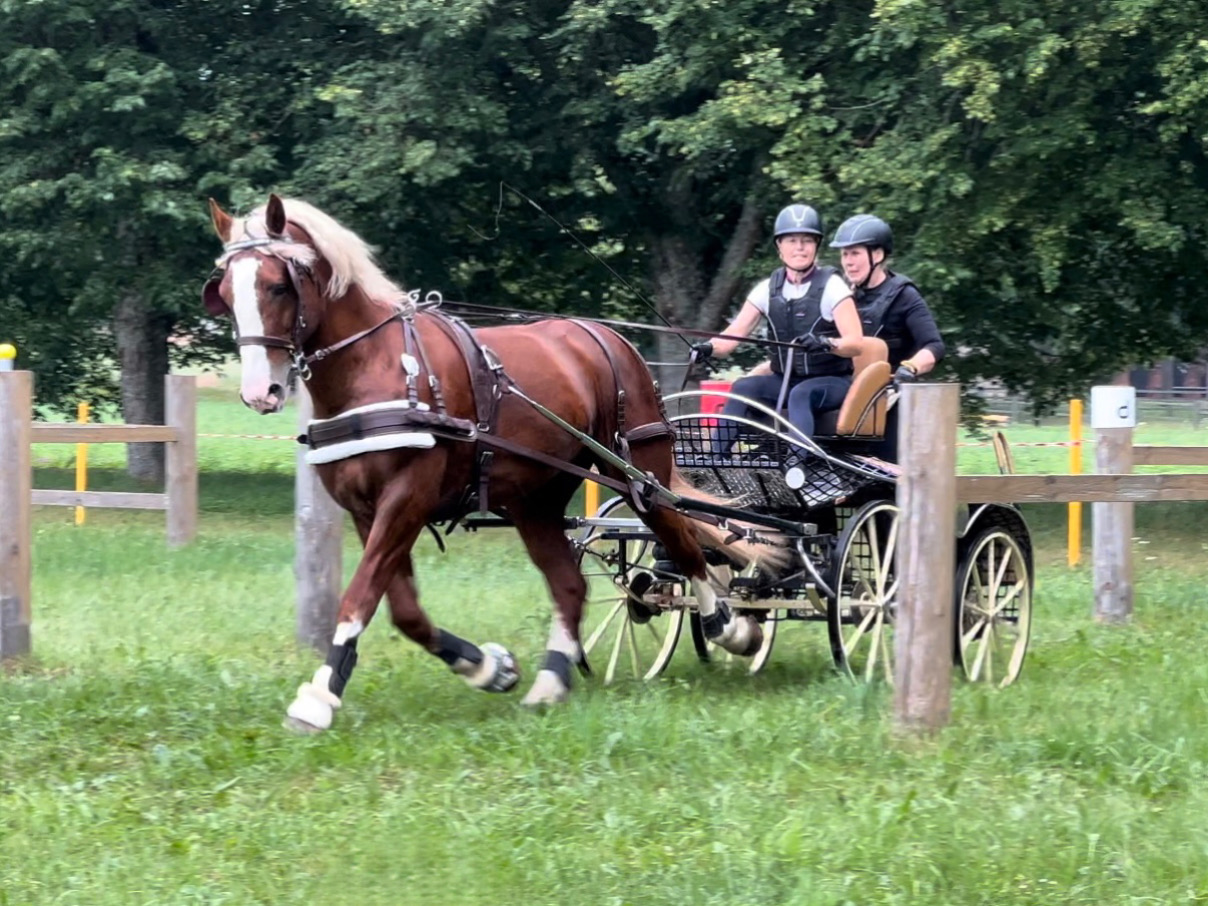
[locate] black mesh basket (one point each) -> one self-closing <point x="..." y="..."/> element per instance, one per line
<point x="748" y="466"/>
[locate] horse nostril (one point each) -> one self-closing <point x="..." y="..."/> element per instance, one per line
<point x="275" y="390"/>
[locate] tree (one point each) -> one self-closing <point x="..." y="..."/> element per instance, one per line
<point x="1041" y="167"/>
<point x="650" y="129"/>
<point x="120" y="118"/>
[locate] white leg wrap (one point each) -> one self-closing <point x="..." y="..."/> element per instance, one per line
<point x="706" y="597"/>
<point x="740" y="632"/>
<point x="548" y="689"/>
<point x="315" y="704"/>
<point x="479" y="675"/>
<point x="497" y="672"/>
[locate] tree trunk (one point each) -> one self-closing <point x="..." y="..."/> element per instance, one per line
<point x="689" y="296"/>
<point x="679" y="287"/>
<point x="142" y="344"/>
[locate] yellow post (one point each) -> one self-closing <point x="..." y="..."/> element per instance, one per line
<point x="1074" y="553"/>
<point x="81" y="462"/>
<point x="8" y="352"/>
<point x="591" y="497"/>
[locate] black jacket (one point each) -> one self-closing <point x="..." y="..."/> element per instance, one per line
<point x="897" y="313"/>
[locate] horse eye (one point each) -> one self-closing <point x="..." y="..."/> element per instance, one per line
<point x="278" y="289"/>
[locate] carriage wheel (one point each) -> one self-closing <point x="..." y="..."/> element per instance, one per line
<point x="860" y="620"/>
<point x="719" y="577"/>
<point x="631" y="639"/>
<point x="993" y="608"/>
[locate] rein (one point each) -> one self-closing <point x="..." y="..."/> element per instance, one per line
<point x="522" y="316"/>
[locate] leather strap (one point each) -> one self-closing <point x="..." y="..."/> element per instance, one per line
<point x="388" y="421"/>
<point x="482" y="375"/>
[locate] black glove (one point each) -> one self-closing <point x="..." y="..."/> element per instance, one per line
<point x="703" y="350"/>
<point x="906" y="374"/>
<point x="811" y="343"/>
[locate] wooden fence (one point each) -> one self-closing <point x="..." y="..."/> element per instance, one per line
<point x="18" y="431"/>
<point x="929" y="486"/>
<point x="929" y="492"/>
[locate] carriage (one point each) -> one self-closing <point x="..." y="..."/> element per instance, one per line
<point x="422" y="421"/>
<point x="835" y="503"/>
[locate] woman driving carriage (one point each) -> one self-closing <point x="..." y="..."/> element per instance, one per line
<point x="890" y="307"/>
<point x="808" y="306"/>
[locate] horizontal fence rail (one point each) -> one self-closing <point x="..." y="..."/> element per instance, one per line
<point x="103" y="434"/>
<point x="1080" y="488"/>
<point x="120" y="500"/>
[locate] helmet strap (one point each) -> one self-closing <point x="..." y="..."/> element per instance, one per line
<point x="872" y="268"/>
<point x="863" y="284"/>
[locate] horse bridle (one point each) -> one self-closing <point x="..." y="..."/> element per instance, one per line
<point x="300" y="360"/>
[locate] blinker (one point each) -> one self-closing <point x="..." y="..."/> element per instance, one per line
<point x="212" y="299"/>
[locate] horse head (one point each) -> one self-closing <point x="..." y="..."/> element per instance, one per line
<point x="270" y="281"/>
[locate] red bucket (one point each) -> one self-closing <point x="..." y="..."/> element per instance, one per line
<point x="711" y="403"/>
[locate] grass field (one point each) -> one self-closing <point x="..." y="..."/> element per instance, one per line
<point x="142" y="759"/>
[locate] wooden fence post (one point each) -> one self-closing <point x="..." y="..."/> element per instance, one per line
<point x="181" y="461"/>
<point x="16" y="493"/>
<point x="318" y="547"/>
<point x="926" y="558"/>
<point x="1113" y="417"/>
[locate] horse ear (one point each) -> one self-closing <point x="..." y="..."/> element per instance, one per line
<point x="222" y="221"/>
<point x="274" y="216"/>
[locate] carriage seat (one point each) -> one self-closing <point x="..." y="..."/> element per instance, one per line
<point x="866" y="405"/>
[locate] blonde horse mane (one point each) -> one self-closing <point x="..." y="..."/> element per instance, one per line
<point x="350" y="257"/>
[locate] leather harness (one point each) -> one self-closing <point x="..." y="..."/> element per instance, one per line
<point x="488" y="382"/>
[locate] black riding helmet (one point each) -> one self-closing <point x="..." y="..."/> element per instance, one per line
<point x="797" y="218"/>
<point x="864" y="229"/>
<point x="869" y="232"/>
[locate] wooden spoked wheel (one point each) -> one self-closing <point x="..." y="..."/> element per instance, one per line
<point x="993" y="607"/>
<point x="624" y="638"/>
<point x="719" y="577"/>
<point x="860" y="618"/>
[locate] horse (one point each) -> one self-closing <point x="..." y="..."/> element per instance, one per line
<point x="405" y="401"/>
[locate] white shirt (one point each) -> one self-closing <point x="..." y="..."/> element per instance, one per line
<point x="834" y="293"/>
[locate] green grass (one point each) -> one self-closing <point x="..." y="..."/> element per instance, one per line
<point x="142" y="759"/>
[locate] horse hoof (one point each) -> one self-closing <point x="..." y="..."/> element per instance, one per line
<point x="507" y="672"/>
<point x="312" y="710"/>
<point x="300" y="727"/>
<point x="547" y="690"/>
<point x="756" y="640"/>
<point x="742" y="637"/>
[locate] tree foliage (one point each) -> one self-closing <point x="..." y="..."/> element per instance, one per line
<point x="1041" y="164"/>
<point x="118" y="119"/>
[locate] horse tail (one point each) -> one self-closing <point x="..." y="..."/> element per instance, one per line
<point x="770" y="555"/>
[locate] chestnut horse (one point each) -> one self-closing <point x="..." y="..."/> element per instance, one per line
<point x="398" y="397"/>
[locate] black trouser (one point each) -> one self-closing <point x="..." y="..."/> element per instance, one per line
<point x="807" y="397"/>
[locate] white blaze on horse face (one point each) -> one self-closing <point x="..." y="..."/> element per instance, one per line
<point x="263" y="384"/>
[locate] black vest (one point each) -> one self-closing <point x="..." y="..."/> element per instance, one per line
<point x="873" y="311"/>
<point x="795" y="318"/>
